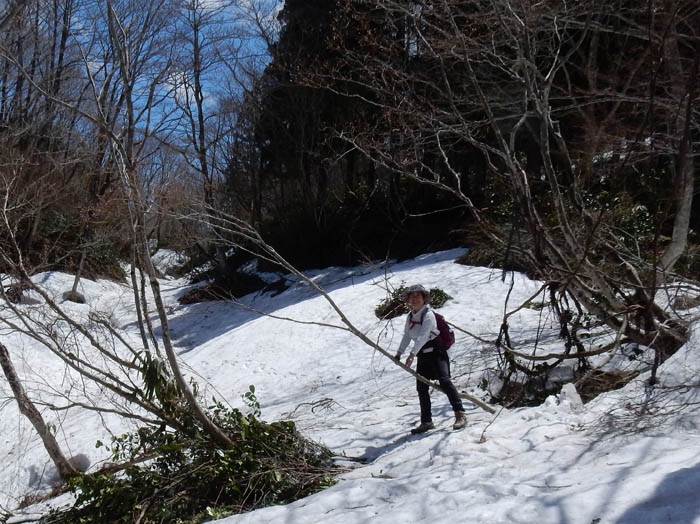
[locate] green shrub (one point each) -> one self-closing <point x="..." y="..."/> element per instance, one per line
<point x="185" y="478"/>
<point x="394" y="305"/>
<point x="438" y="297"/>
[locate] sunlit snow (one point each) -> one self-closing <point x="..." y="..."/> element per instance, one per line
<point x="628" y="456"/>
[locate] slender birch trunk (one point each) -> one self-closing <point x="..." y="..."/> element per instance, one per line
<point x="29" y="410"/>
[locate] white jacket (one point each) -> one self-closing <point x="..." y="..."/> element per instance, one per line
<point x="418" y="332"/>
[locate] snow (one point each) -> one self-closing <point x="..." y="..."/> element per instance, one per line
<point x="628" y="456"/>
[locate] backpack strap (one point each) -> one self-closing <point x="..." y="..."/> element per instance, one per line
<point x="422" y="318"/>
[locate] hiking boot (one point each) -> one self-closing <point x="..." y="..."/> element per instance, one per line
<point x="460" y="420"/>
<point x="425" y="426"/>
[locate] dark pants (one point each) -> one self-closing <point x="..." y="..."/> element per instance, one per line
<point x="435" y="365"/>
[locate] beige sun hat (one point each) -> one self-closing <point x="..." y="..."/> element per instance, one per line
<point x="420" y="289"/>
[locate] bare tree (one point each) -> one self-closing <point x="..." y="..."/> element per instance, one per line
<point x="203" y="33"/>
<point x="143" y="63"/>
<point x="127" y="59"/>
<point x="217" y="65"/>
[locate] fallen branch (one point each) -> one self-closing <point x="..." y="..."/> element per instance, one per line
<point x="247" y="235"/>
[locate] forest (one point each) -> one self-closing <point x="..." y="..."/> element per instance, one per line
<point x="557" y="139"/>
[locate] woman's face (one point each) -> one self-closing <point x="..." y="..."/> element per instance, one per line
<point x="415" y="300"/>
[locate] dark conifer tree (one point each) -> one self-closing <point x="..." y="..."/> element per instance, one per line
<point x="325" y="195"/>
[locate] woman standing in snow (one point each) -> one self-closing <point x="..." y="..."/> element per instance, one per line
<point x="433" y="363"/>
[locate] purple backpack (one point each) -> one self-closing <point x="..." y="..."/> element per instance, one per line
<point x="446" y="337"/>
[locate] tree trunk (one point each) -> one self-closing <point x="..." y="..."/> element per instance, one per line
<point x="684" y="182"/>
<point x="209" y="426"/>
<point x="28" y="409"/>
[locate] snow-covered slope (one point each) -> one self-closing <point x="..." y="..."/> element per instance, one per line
<point x="555" y="463"/>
